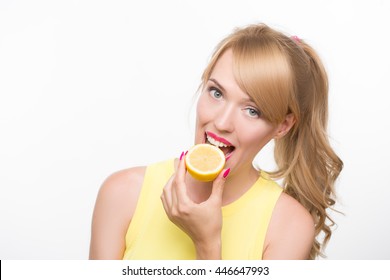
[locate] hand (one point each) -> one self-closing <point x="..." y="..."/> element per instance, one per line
<point x="201" y="222"/>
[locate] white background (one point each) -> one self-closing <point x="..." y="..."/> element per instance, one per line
<point x="91" y="87"/>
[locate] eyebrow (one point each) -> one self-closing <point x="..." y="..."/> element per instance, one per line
<point x="218" y="84"/>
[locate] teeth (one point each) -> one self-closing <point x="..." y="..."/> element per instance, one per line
<point x="215" y="142"/>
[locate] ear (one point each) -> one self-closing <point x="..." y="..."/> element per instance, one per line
<point x="284" y="127"/>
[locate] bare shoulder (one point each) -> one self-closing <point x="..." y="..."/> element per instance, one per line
<point x="291" y="231"/>
<point x="124" y="180"/>
<point x="114" y="209"/>
<point x="122" y="188"/>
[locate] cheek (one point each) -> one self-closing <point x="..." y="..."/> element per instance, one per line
<point x="203" y="112"/>
<point x="256" y="139"/>
<point x="203" y="116"/>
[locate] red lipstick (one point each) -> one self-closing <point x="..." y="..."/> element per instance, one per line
<point x="220" y="139"/>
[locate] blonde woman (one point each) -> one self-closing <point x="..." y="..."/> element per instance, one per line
<point x="260" y="85"/>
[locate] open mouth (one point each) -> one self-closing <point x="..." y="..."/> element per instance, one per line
<point x="224" y="147"/>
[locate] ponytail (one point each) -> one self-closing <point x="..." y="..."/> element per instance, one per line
<point x="305" y="158"/>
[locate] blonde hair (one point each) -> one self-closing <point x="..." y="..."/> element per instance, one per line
<point x="284" y="75"/>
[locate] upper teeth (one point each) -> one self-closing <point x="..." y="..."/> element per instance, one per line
<point x="215" y="142"/>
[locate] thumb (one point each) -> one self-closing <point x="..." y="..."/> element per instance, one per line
<point x="219" y="183"/>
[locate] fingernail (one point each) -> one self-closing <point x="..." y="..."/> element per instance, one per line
<point x="186" y="153"/>
<point x="226" y="173"/>
<point x="181" y="156"/>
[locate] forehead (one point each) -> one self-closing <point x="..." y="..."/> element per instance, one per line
<point x="224" y="66"/>
<point x="223" y="75"/>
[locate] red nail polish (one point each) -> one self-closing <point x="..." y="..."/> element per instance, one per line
<point x="226" y="173"/>
<point x="181" y="156"/>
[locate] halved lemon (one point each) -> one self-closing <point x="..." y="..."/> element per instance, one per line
<point x="204" y="162"/>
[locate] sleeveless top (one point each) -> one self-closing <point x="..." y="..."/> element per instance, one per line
<point x="151" y="235"/>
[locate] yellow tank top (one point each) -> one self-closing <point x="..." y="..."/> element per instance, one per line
<point x="151" y="235"/>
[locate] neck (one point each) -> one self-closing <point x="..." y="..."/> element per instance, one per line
<point x="239" y="182"/>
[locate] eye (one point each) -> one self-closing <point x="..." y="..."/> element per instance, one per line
<point x="252" y="112"/>
<point x="215" y="93"/>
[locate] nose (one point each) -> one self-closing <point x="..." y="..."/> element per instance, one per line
<point x="224" y="121"/>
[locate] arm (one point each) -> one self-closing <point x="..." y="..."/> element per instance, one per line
<point x="291" y="231"/>
<point x="114" y="209"/>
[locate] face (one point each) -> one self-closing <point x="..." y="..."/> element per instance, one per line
<point x="228" y="118"/>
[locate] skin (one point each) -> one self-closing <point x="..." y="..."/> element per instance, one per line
<point x="224" y="109"/>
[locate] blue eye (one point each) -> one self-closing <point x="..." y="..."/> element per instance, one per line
<point x="252" y="112"/>
<point x="215" y="93"/>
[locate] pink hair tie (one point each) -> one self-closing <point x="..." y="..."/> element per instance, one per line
<point x="296" y="39"/>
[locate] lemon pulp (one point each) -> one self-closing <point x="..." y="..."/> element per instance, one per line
<point x="204" y="162"/>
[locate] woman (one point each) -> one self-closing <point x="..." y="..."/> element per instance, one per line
<point x="260" y="85"/>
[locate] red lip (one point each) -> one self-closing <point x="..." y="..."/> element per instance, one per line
<point x="220" y="139"/>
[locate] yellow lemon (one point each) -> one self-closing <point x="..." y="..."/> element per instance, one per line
<point x="204" y="162"/>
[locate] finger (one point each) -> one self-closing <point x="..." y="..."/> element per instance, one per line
<point x="181" y="168"/>
<point x="167" y="193"/>
<point x="179" y="183"/>
<point x="165" y="205"/>
<point x="219" y="184"/>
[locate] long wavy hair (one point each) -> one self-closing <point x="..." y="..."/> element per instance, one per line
<point x="284" y="75"/>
